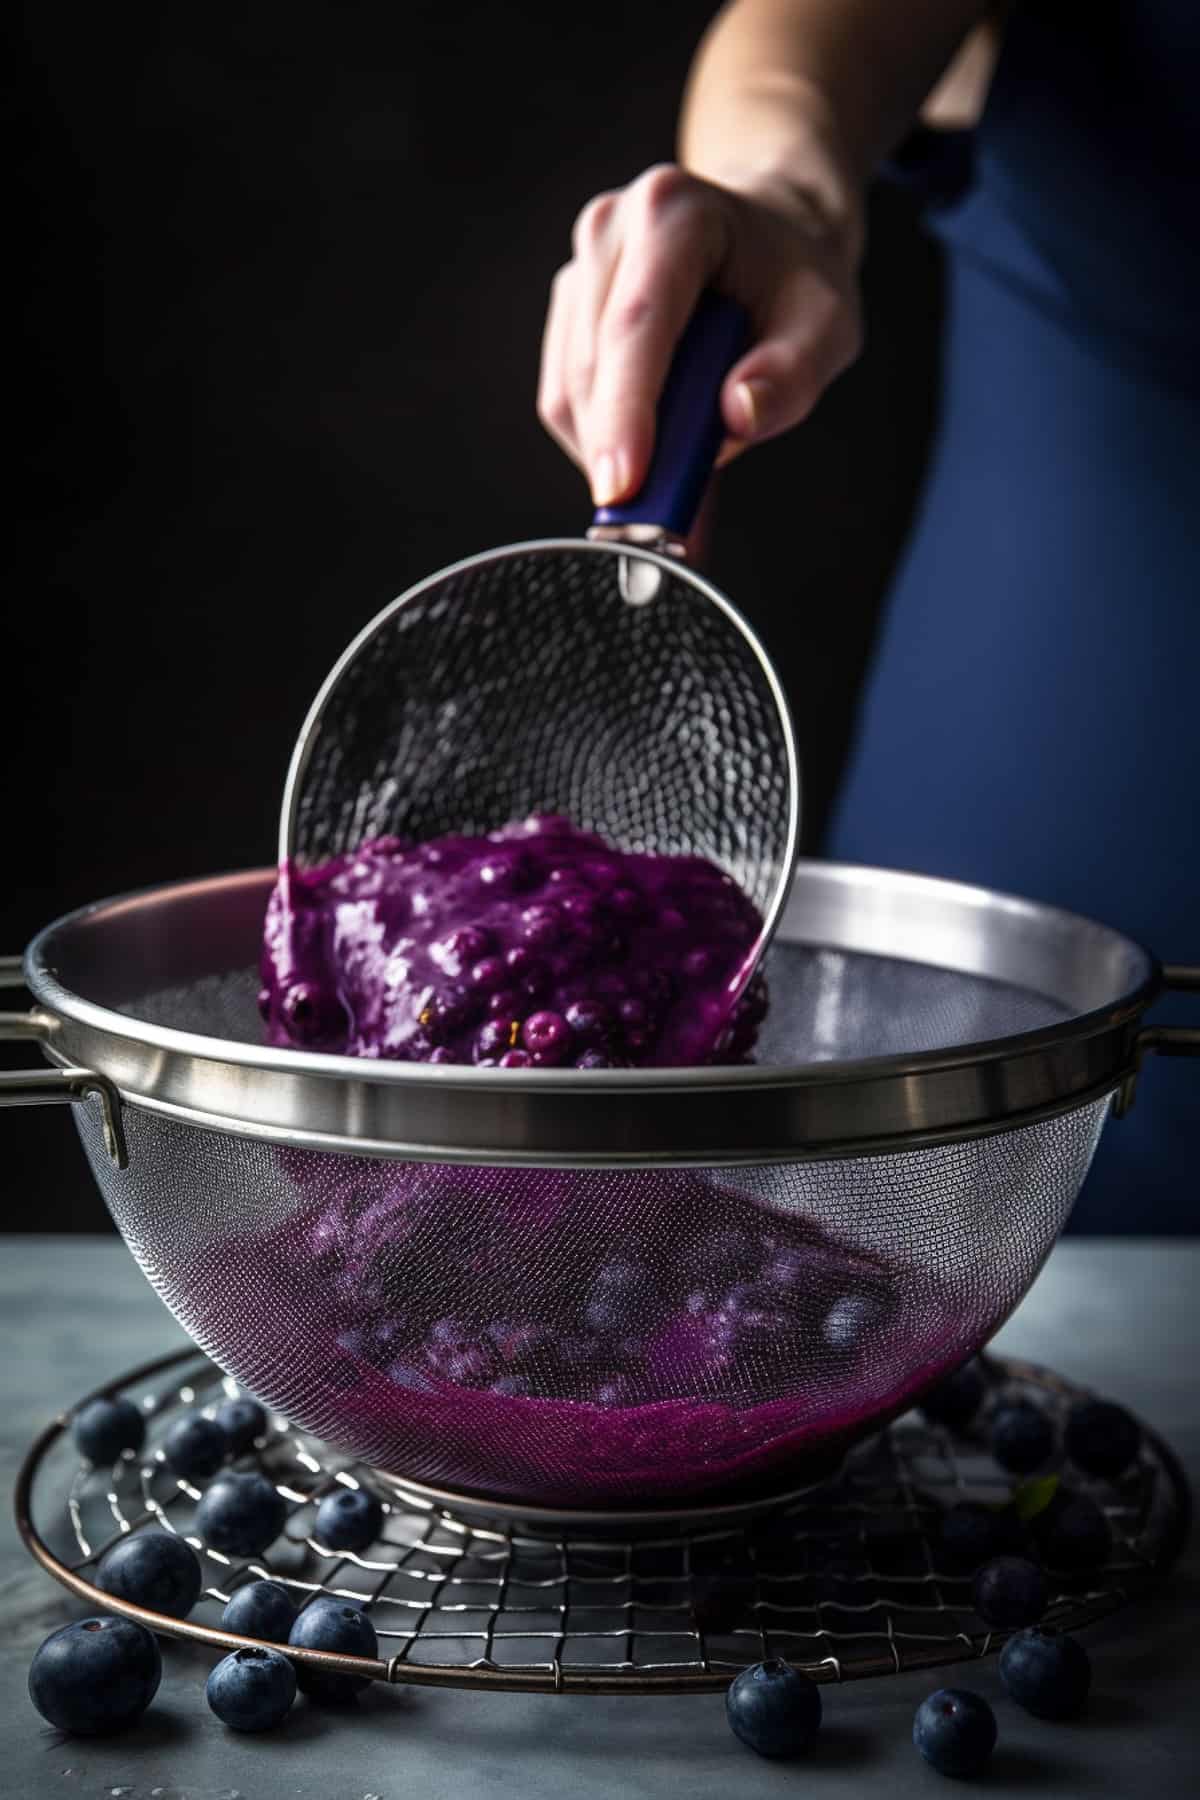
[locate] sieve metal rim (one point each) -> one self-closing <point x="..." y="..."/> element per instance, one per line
<point x="626" y="552"/>
<point x="701" y="1117"/>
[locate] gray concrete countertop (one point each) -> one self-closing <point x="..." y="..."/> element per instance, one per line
<point x="1122" y="1316"/>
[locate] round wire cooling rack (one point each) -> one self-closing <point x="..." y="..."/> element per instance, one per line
<point x="845" y="1580"/>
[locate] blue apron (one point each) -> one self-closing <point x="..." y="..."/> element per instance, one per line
<point x="1032" y="719"/>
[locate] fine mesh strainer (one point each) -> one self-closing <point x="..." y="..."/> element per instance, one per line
<point x="602" y="680"/>
<point x="599" y="1289"/>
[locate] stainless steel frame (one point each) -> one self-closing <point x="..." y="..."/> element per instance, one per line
<point x="92" y="962"/>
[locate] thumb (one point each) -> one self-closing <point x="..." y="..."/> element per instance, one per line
<point x="811" y="332"/>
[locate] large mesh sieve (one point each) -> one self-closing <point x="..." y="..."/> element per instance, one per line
<point x="525" y="681"/>
<point x="587" y="1337"/>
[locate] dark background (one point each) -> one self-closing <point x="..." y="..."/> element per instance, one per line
<point x="280" y="273"/>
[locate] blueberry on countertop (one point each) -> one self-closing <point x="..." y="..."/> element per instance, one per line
<point x="955" y="1731"/>
<point x="1046" y="1673"/>
<point x="774" y="1709"/>
<point x="95" y="1676"/>
<point x="252" y="1690"/>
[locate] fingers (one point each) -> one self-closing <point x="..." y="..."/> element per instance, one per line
<point x="641" y="259"/>
<point x="672" y="239"/>
<point x="811" y="332"/>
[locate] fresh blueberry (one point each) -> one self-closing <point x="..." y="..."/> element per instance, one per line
<point x="1010" y="1591"/>
<point x="348" y="1519"/>
<point x="242" y="1421"/>
<point x="95" y="1676"/>
<point x="261" y="1609"/>
<point x="955" y="1731"/>
<point x="1101" y="1438"/>
<point x="195" y="1447"/>
<point x="154" y="1569"/>
<point x="328" y="1623"/>
<point x="241" y="1514"/>
<point x="252" y="1690"/>
<point x="1046" y="1673"/>
<point x="594" y="1059"/>
<point x="1072" y="1532"/>
<point x="849" y="1320"/>
<point x="971" y="1534"/>
<point x="955" y="1401"/>
<point x="106" y="1427"/>
<point x="773" y="1708"/>
<point x="1022" y="1437"/>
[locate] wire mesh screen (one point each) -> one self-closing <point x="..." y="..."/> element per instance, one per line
<point x="852" y="1581"/>
<point x="826" y="1006"/>
<point x="589" y="1337"/>
<point x="524" y="683"/>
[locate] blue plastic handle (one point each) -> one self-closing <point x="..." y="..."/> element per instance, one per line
<point x="690" y="428"/>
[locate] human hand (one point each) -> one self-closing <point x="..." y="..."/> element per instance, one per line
<point x="641" y="258"/>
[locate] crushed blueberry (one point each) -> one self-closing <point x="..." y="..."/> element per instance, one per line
<point x="568" y="947"/>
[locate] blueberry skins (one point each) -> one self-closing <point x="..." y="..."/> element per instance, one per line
<point x="95" y="1676"/>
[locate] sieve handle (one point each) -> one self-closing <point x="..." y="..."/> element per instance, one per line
<point x="690" y="429"/>
<point x="54" y="1087"/>
<point x="1174" y="1040"/>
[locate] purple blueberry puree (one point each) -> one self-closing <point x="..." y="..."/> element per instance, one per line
<point x="568" y="1337"/>
<point x="536" y="946"/>
<point x="571" y="1337"/>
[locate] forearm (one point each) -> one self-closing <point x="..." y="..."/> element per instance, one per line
<point x="812" y="93"/>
